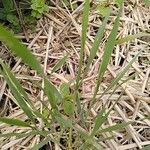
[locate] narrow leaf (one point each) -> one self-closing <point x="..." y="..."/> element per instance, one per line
<point x="9" y="77"/>
<point x="121" y="74"/>
<point x="19" y="49"/>
<point x="107" y="54"/>
<point x="114" y="127"/>
<point x="146" y="148"/>
<point x="100" y="119"/>
<point x="54" y="96"/>
<point x="131" y="37"/>
<point x="85" y="19"/>
<point x="41" y="144"/>
<point x="15" y="122"/>
<point x="96" y="43"/>
<point x="60" y="63"/>
<point x="25" y="54"/>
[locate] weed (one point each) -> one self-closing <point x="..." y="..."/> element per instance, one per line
<point x="66" y="118"/>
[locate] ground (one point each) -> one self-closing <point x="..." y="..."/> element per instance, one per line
<point x="57" y="33"/>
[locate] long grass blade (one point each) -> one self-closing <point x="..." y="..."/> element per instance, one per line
<point x="146" y="148"/>
<point x="16" y="122"/>
<point x="107" y="54"/>
<point x="114" y="127"/>
<point x="42" y="143"/>
<point x="9" y="77"/>
<point x="122" y="73"/>
<point x="83" y="41"/>
<point x="96" y="43"/>
<point x="131" y="37"/>
<point x="21" y="51"/>
<point x="60" y="63"/>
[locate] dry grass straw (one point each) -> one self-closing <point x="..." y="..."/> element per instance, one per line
<point x="58" y="32"/>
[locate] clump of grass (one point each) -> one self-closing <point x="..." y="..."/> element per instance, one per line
<point x="70" y="119"/>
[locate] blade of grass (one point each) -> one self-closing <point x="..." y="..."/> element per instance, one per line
<point x="16" y="122"/>
<point x="20" y="100"/>
<point x="131" y="37"/>
<point x="114" y="127"/>
<point x="122" y="73"/>
<point x="85" y="20"/>
<point x="54" y="97"/>
<point x="16" y="83"/>
<point x="96" y="43"/>
<point x="21" y="51"/>
<point x="23" y="94"/>
<point x="41" y="144"/>
<point x="107" y="54"/>
<point x="60" y="63"/>
<point x="101" y="117"/>
<point x="146" y="148"/>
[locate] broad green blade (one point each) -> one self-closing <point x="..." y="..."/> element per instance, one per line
<point x="96" y="43"/>
<point x="110" y="44"/>
<point x="114" y="127"/>
<point x="100" y="119"/>
<point x="16" y="83"/>
<point x="9" y="77"/>
<point x="25" y="54"/>
<point x="131" y="37"/>
<point x="60" y="63"/>
<point x="19" y="49"/>
<point x="146" y="148"/>
<point x="121" y="74"/>
<point x="23" y="94"/>
<point x="54" y="96"/>
<point x="85" y="20"/>
<point x="41" y="144"/>
<point x="15" y="122"/>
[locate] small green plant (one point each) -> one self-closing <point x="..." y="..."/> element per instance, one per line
<point x="30" y="10"/>
<point x="65" y="104"/>
<point x="8" y="12"/>
<point x="38" y="8"/>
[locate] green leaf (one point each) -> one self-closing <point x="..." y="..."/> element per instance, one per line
<point x="69" y="105"/>
<point x="121" y="74"/>
<point x="16" y="122"/>
<point x="19" y="49"/>
<point x="119" y="2"/>
<point x="109" y="46"/>
<point x="146" y="148"/>
<point x="64" y="123"/>
<point x="25" y="54"/>
<point x="41" y="144"/>
<point x="103" y="10"/>
<point x="114" y="127"/>
<point x="131" y="37"/>
<point x="85" y="20"/>
<point x="13" y="19"/>
<point x="60" y="63"/>
<point x="64" y="89"/>
<point x="8" y="5"/>
<point x="54" y="96"/>
<point x="100" y="119"/>
<point x="9" y="77"/>
<point x="147" y="2"/>
<point x="96" y="43"/>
